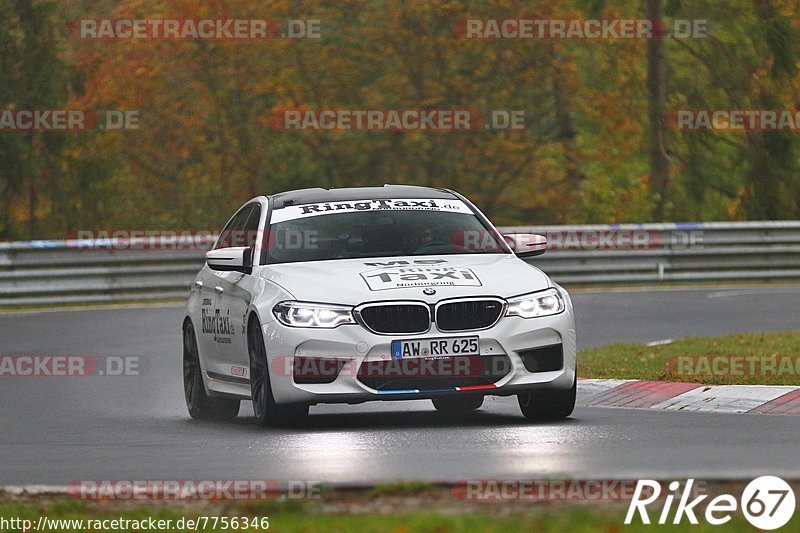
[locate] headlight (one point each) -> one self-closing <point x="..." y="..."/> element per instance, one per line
<point x="311" y="315"/>
<point x="537" y="304"/>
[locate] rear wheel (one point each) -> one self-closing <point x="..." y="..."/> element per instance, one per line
<point x="201" y="406"/>
<point x="268" y="413"/>
<point x="548" y="404"/>
<point x="457" y="404"/>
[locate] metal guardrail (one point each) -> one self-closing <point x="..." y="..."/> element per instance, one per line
<point x="65" y="272"/>
<point x="697" y="252"/>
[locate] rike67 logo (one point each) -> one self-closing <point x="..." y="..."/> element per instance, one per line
<point x="767" y="502"/>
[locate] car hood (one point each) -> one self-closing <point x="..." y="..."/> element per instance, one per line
<point x="355" y="281"/>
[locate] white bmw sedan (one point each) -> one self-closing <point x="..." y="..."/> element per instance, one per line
<point x="376" y="293"/>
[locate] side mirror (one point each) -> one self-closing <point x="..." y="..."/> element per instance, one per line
<point x="235" y="259"/>
<point x="526" y="244"/>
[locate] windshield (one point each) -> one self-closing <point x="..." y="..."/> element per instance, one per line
<point x="377" y="228"/>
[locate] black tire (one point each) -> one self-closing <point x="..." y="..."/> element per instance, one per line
<point x="199" y="404"/>
<point x="458" y="404"/>
<point x="548" y="404"/>
<point x="268" y="413"/>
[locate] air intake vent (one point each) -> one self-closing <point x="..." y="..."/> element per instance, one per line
<point x="544" y="359"/>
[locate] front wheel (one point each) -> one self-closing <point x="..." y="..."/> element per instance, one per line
<point x="548" y="404"/>
<point x="200" y="405"/>
<point x="268" y="413"/>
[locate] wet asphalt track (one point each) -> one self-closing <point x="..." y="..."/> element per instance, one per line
<point x="54" y="430"/>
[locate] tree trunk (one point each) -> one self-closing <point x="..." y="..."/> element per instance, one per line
<point x="656" y="103"/>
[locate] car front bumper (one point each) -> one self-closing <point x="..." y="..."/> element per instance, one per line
<point x="348" y="347"/>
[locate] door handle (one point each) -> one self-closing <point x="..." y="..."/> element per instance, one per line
<point x="219" y="289"/>
<point x="198" y="284"/>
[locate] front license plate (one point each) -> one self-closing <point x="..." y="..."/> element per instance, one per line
<point x="441" y="347"/>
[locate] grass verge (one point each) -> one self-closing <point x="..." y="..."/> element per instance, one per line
<point x="363" y="513"/>
<point x="746" y="359"/>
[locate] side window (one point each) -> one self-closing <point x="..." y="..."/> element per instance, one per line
<point x="251" y="227"/>
<point x="232" y="232"/>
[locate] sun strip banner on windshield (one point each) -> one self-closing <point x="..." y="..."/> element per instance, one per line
<point x="409" y="204"/>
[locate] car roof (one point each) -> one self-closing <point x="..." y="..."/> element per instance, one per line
<point x="319" y="195"/>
